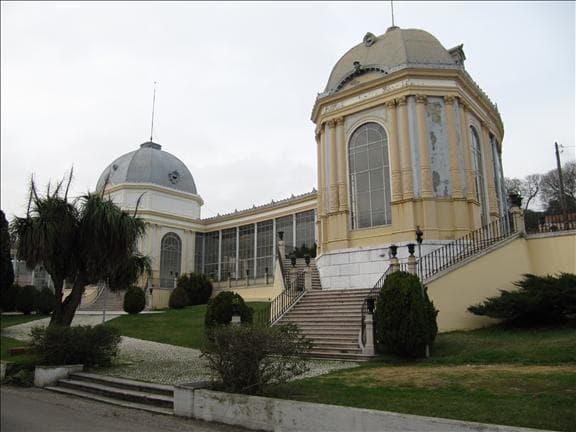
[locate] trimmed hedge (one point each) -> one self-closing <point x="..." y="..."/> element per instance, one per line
<point x="134" y="300"/>
<point x="539" y="300"/>
<point x="178" y="298"/>
<point x="221" y="307"/>
<point x="8" y="298"/>
<point x="45" y="301"/>
<point x="405" y="318"/>
<point x="198" y="288"/>
<point x="87" y="345"/>
<point x="26" y="299"/>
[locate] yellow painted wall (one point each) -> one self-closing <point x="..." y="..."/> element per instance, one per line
<point x="550" y="255"/>
<point x="160" y="298"/>
<point x="262" y="293"/>
<point x="472" y="283"/>
<point x="483" y="277"/>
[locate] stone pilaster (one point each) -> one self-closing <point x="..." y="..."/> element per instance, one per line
<point x="406" y="159"/>
<point x="452" y="147"/>
<point x="425" y="170"/>
<point x="395" y="167"/>
<point x="342" y="156"/>
<point x="466" y="150"/>
<point x="333" y="168"/>
<point x="489" y="170"/>
<point x="320" y="168"/>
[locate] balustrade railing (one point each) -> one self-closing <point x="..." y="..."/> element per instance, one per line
<point x="448" y="255"/>
<point x="463" y="248"/>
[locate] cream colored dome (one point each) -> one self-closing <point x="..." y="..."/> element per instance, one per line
<point x="396" y="49"/>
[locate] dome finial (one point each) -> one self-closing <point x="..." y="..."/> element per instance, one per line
<point x="392" y="9"/>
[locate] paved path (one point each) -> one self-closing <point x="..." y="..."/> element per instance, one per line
<point x="36" y="410"/>
<point x="156" y="362"/>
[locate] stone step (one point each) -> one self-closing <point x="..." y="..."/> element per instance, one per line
<point x="335" y="355"/>
<point x="325" y="319"/>
<point x="311" y="309"/>
<point x="112" y="401"/>
<point x="160" y="389"/>
<point x="134" y="396"/>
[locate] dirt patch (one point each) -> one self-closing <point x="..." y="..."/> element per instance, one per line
<point x="475" y="376"/>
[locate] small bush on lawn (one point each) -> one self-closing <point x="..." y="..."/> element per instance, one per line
<point x="245" y="359"/>
<point x="9" y="298"/>
<point x="134" y="300"/>
<point x="539" y="300"/>
<point x="26" y="299"/>
<point x="91" y="346"/>
<point x="220" y="309"/>
<point x="178" y="298"/>
<point x="45" y="301"/>
<point x="197" y="286"/>
<point x="405" y="320"/>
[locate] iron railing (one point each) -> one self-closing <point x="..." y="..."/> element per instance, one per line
<point x="293" y="290"/>
<point x="447" y="256"/>
<point x="463" y="248"/>
<point x="541" y="223"/>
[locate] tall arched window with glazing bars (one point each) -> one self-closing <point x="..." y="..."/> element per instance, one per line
<point x="170" y="259"/>
<point x="477" y="166"/>
<point x="369" y="176"/>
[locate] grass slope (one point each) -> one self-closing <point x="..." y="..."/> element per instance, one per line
<point x="181" y="327"/>
<point x="521" y="378"/>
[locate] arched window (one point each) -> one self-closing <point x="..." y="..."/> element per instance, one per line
<point x="369" y="176"/>
<point x="170" y="258"/>
<point x="477" y="166"/>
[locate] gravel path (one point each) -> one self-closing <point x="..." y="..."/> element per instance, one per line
<point x="156" y="362"/>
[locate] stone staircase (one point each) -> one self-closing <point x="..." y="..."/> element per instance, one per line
<point x="300" y="266"/>
<point x="156" y="398"/>
<point x="107" y="300"/>
<point x="332" y="320"/>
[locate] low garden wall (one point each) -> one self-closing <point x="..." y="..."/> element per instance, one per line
<point x="268" y="414"/>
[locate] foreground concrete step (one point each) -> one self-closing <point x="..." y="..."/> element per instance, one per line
<point x="135" y="396"/>
<point x="161" y="389"/>
<point x="112" y="401"/>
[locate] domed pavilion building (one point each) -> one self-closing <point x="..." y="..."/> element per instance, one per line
<point x="405" y="139"/>
<point x="407" y="143"/>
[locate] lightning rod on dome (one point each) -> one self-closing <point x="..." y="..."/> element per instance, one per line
<point x="392" y="9"/>
<point x="153" y="105"/>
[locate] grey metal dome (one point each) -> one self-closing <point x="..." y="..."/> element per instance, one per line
<point x="149" y="164"/>
<point x="395" y="49"/>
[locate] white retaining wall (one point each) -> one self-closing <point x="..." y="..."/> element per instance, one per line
<point x="278" y="415"/>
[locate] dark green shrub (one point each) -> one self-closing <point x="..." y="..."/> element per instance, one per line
<point x="45" y="301"/>
<point x="26" y="299"/>
<point x="539" y="300"/>
<point x="221" y="307"/>
<point x="197" y="286"/>
<point x="178" y="298"/>
<point x="405" y="320"/>
<point x="91" y="346"/>
<point x="9" y="298"/>
<point x="134" y="300"/>
<point x="245" y="359"/>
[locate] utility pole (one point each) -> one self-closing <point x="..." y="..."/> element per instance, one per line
<point x="562" y="197"/>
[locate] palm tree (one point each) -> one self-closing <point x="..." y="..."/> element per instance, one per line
<point x="84" y="242"/>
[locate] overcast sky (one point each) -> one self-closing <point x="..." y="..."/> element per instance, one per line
<point x="237" y="82"/>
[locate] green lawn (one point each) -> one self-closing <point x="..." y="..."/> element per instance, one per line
<point x="521" y="378"/>
<point x="182" y="327"/>
<point x="12" y="320"/>
<point x="6" y="343"/>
